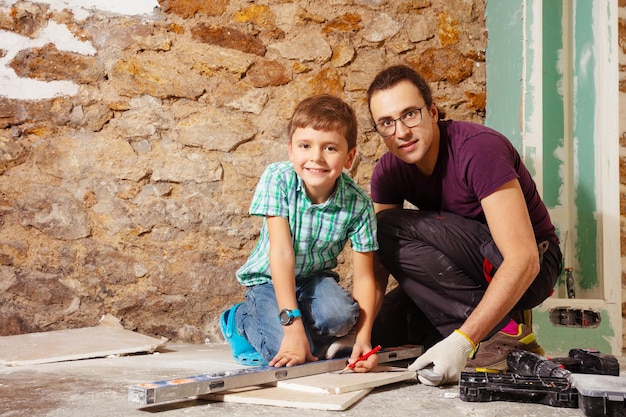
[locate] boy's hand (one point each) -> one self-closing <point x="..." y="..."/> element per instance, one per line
<point x="294" y="350"/>
<point x="364" y="365"/>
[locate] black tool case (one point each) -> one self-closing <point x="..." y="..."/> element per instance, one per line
<point x="491" y="386"/>
<point x="601" y="395"/>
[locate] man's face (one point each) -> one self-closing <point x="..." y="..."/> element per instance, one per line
<point x="417" y="145"/>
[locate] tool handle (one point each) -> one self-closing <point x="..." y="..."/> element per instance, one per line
<point x="430" y="375"/>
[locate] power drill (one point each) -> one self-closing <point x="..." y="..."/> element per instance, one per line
<point x="526" y="363"/>
<point x="587" y="361"/>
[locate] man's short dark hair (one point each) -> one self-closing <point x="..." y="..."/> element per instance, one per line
<point x="395" y="74"/>
<point x="391" y="76"/>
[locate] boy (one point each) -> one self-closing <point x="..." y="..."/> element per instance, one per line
<point x="295" y="308"/>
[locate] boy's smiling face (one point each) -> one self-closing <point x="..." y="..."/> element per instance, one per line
<point x="319" y="157"/>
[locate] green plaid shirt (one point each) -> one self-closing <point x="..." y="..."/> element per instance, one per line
<point x="319" y="231"/>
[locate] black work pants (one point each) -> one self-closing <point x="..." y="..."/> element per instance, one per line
<point x="438" y="260"/>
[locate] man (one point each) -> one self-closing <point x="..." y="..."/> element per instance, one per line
<point x="481" y="245"/>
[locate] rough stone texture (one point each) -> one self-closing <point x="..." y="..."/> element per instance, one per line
<point x="189" y="8"/>
<point x="305" y="47"/>
<point x="25" y="18"/>
<point x="54" y="212"/>
<point x="228" y="37"/>
<point x="48" y="64"/>
<point x="131" y="197"/>
<point x="267" y="73"/>
<point x="458" y="67"/>
<point x="11" y="152"/>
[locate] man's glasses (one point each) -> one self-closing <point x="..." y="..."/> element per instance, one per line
<point x="410" y="119"/>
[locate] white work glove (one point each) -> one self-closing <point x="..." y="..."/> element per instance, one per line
<point x="449" y="357"/>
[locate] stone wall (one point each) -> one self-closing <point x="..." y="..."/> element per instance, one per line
<point x="129" y="194"/>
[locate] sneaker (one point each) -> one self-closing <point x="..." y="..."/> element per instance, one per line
<point x="341" y="346"/>
<point x="243" y="352"/>
<point x="493" y="352"/>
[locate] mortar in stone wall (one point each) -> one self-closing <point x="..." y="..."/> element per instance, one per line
<point x="127" y="192"/>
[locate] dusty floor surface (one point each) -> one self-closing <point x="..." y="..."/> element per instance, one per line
<point x="99" y="388"/>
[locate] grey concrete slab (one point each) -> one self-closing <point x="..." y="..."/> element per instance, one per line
<point x="99" y="388"/>
<point x="73" y="344"/>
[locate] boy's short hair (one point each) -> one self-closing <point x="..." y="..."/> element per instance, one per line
<point x="327" y="113"/>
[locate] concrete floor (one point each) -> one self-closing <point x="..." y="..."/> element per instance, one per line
<point x="99" y="388"/>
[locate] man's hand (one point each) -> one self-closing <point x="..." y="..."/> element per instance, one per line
<point x="294" y="350"/>
<point x="448" y="357"/>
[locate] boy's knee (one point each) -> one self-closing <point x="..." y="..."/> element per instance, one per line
<point x="338" y="328"/>
<point x="340" y="321"/>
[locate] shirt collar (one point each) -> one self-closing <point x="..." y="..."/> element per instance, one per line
<point x="335" y="198"/>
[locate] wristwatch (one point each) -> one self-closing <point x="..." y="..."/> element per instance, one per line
<point x="286" y="316"/>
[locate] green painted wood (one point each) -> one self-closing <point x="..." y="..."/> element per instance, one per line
<point x="568" y="157"/>
<point x="552" y="103"/>
<point x="505" y="88"/>
<point x="531" y="93"/>
<point x="504" y="71"/>
<point x="584" y="204"/>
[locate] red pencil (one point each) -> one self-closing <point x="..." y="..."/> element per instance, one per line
<point x="361" y="358"/>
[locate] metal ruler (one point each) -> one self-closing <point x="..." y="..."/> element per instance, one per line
<point x="191" y="386"/>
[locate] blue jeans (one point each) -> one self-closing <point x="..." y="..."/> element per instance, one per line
<point x="328" y="312"/>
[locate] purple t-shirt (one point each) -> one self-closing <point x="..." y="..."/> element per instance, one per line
<point x="473" y="162"/>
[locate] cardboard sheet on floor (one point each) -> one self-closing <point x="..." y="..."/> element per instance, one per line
<point x="328" y="391"/>
<point x="336" y="383"/>
<point x="107" y="338"/>
<point x="284" y="397"/>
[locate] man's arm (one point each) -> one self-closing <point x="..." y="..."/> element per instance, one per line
<point x="380" y="272"/>
<point x="294" y="348"/>
<point x="378" y="207"/>
<point x="511" y="228"/>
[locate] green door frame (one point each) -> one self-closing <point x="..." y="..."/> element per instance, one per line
<point x="552" y="88"/>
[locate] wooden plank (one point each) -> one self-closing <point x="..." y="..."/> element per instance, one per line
<point x="337" y="383"/>
<point x="283" y="397"/>
<point x="64" y="345"/>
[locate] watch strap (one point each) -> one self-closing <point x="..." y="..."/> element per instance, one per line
<point x="290" y="316"/>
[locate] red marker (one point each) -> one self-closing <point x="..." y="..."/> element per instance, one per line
<point x="361" y="358"/>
